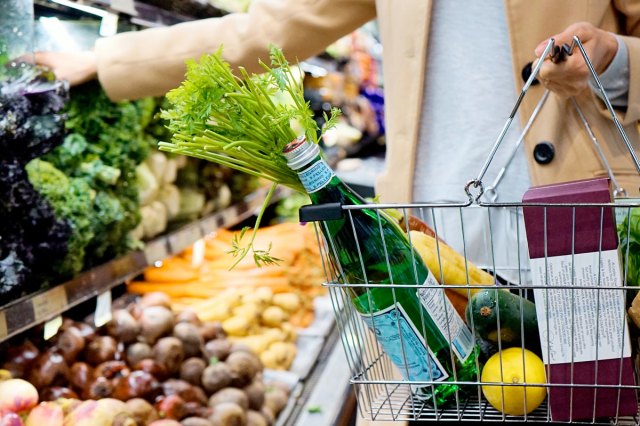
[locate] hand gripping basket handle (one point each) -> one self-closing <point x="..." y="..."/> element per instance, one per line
<point x="558" y="55"/>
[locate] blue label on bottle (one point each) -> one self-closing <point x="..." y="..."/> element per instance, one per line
<point x="402" y="343"/>
<point x="316" y="177"/>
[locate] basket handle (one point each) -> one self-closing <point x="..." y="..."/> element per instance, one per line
<point x="558" y="55"/>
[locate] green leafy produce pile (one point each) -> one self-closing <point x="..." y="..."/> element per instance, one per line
<point x="71" y="199"/>
<point x="105" y="143"/>
<point x="629" y="236"/>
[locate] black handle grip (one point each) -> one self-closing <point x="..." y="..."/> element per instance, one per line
<point x="320" y="212"/>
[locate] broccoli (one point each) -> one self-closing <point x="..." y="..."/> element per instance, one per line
<point x="106" y="142"/>
<point x="71" y="199"/>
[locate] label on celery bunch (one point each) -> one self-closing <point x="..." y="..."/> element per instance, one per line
<point x="316" y="177"/>
<point x="404" y="345"/>
<point x="446" y="318"/>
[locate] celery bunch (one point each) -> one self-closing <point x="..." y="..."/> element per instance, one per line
<point x="242" y="122"/>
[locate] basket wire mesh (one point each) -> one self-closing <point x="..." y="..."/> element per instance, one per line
<point x="381" y="391"/>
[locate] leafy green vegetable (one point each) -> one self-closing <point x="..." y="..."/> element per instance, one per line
<point x="629" y="236"/>
<point x="71" y="199"/>
<point x="242" y="122"/>
<point x="104" y="147"/>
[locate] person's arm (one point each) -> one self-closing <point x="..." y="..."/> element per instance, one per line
<point x="615" y="79"/>
<point x="151" y="62"/>
<point x="571" y="77"/>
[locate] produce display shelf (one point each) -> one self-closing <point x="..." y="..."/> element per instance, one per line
<point x="40" y="307"/>
<point x="139" y="13"/>
<point x="326" y="396"/>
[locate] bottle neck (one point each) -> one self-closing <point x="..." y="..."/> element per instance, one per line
<point x="315" y="175"/>
<point x="317" y="178"/>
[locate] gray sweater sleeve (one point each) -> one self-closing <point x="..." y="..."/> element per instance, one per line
<point x="615" y="79"/>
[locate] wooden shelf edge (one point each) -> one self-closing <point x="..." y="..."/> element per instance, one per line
<point x="26" y="312"/>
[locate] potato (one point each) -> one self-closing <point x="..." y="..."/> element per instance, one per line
<point x="218" y="348"/>
<point x="276" y="399"/>
<point x="228" y="414"/>
<point x="189" y="335"/>
<point x="255" y="418"/>
<point x="273" y="316"/>
<point x="216" y="377"/>
<point x="290" y="302"/>
<point x="169" y="353"/>
<point x="191" y="370"/>
<point x="250" y="311"/>
<point x="236" y="326"/>
<point x="255" y="394"/>
<point x="233" y="395"/>
<point x="244" y="367"/>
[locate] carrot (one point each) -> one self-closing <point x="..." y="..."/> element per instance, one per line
<point x="253" y="273"/>
<point x="302" y="319"/>
<point x="172" y="270"/>
<point x="173" y="290"/>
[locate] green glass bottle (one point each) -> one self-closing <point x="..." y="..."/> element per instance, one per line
<point x="413" y="326"/>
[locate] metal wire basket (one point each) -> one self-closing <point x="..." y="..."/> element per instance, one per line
<point x="499" y="245"/>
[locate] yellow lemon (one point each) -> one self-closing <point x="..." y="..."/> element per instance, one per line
<point x="514" y="365"/>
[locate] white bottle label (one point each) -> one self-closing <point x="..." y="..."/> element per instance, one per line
<point x="446" y="318"/>
<point x="316" y="177"/>
<point x="404" y="345"/>
<point x="582" y="324"/>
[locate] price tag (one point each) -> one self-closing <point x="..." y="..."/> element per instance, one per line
<point x="155" y="250"/>
<point x="197" y="253"/>
<point x="103" y="309"/>
<point x="3" y="326"/>
<point x="49" y="303"/>
<point x="124" y="6"/>
<point x="51" y="327"/>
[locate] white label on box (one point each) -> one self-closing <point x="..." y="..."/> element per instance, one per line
<point x="572" y="320"/>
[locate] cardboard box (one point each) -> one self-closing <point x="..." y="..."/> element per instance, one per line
<point x="565" y="246"/>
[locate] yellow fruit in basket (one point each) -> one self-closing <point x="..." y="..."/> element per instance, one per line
<point x="514" y="365"/>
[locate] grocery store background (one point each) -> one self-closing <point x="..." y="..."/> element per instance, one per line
<point x="137" y="219"/>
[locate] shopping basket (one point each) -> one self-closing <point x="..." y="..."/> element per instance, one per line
<point x="492" y="235"/>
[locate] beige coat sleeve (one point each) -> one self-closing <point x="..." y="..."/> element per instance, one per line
<point x="151" y="62"/>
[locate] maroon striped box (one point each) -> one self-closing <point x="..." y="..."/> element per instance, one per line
<point x="565" y="246"/>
